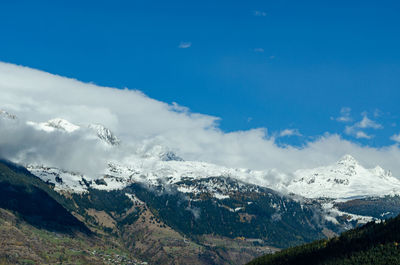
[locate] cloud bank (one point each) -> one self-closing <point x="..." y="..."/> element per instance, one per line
<point x="22" y="143"/>
<point x="142" y="121"/>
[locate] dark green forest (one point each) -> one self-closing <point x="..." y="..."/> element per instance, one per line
<point x="373" y="243"/>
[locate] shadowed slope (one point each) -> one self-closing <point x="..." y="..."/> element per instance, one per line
<point x="35" y="201"/>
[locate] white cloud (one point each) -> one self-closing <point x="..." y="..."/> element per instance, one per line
<point x="395" y="137"/>
<point x="289" y="132"/>
<point x="21" y="142"/>
<point x="178" y="108"/>
<point x="363" y="135"/>
<point x="367" y="123"/>
<point x="356" y="132"/>
<point x="258" y="50"/>
<point x="357" y="129"/>
<point x="184" y="45"/>
<point x="259" y="13"/>
<point x="344" y="115"/>
<point x="139" y="120"/>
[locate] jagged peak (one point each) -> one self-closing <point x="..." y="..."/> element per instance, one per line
<point x="105" y="134"/>
<point x="160" y="152"/>
<point x="170" y="156"/>
<point x="62" y="124"/>
<point x="54" y="124"/>
<point x="379" y="171"/>
<point x="347" y="160"/>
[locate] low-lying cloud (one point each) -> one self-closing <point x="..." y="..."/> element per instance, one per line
<point x="136" y="119"/>
<point x="23" y="143"/>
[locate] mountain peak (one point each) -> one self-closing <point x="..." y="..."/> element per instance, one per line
<point x="345" y="179"/>
<point x="62" y="124"/>
<point x="347" y="160"/>
<point x="53" y="125"/>
<point x="105" y="134"/>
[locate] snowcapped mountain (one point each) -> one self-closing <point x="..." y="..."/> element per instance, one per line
<point x="158" y="152"/>
<point x="344" y="179"/>
<point x="105" y="134"/>
<point x="331" y="188"/>
<point x="62" y="125"/>
<point x="157" y="164"/>
<point x="186" y="176"/>
<point x="150" y="164"/>
<point x="62" y="180"/>
<point x="55" y="124"/>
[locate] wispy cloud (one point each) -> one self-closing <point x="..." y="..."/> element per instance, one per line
<point x="259" y="13"/>
<point x="289" y="132"/>
<point x="363" y="135"/>
<point x="357" y="132"/>
<point x="184" y="45"/>
<point x="377" y="113"/>
<point x="258" y="50"/>
<point x="345" y="113"/>
<point x="368" y="123"/>
<point x="357" y="129"/>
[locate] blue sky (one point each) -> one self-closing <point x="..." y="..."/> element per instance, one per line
<point x="274" y="64"/>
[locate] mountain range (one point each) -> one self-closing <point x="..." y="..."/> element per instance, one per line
<point x="164" y="209"/>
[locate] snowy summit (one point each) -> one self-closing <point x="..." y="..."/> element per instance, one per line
<point x="344" y="179"/>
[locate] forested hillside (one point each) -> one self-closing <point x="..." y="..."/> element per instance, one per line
<point x="373" y="243"/>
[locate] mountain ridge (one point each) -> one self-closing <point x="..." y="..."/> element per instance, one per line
<point x="346" y="178"/>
